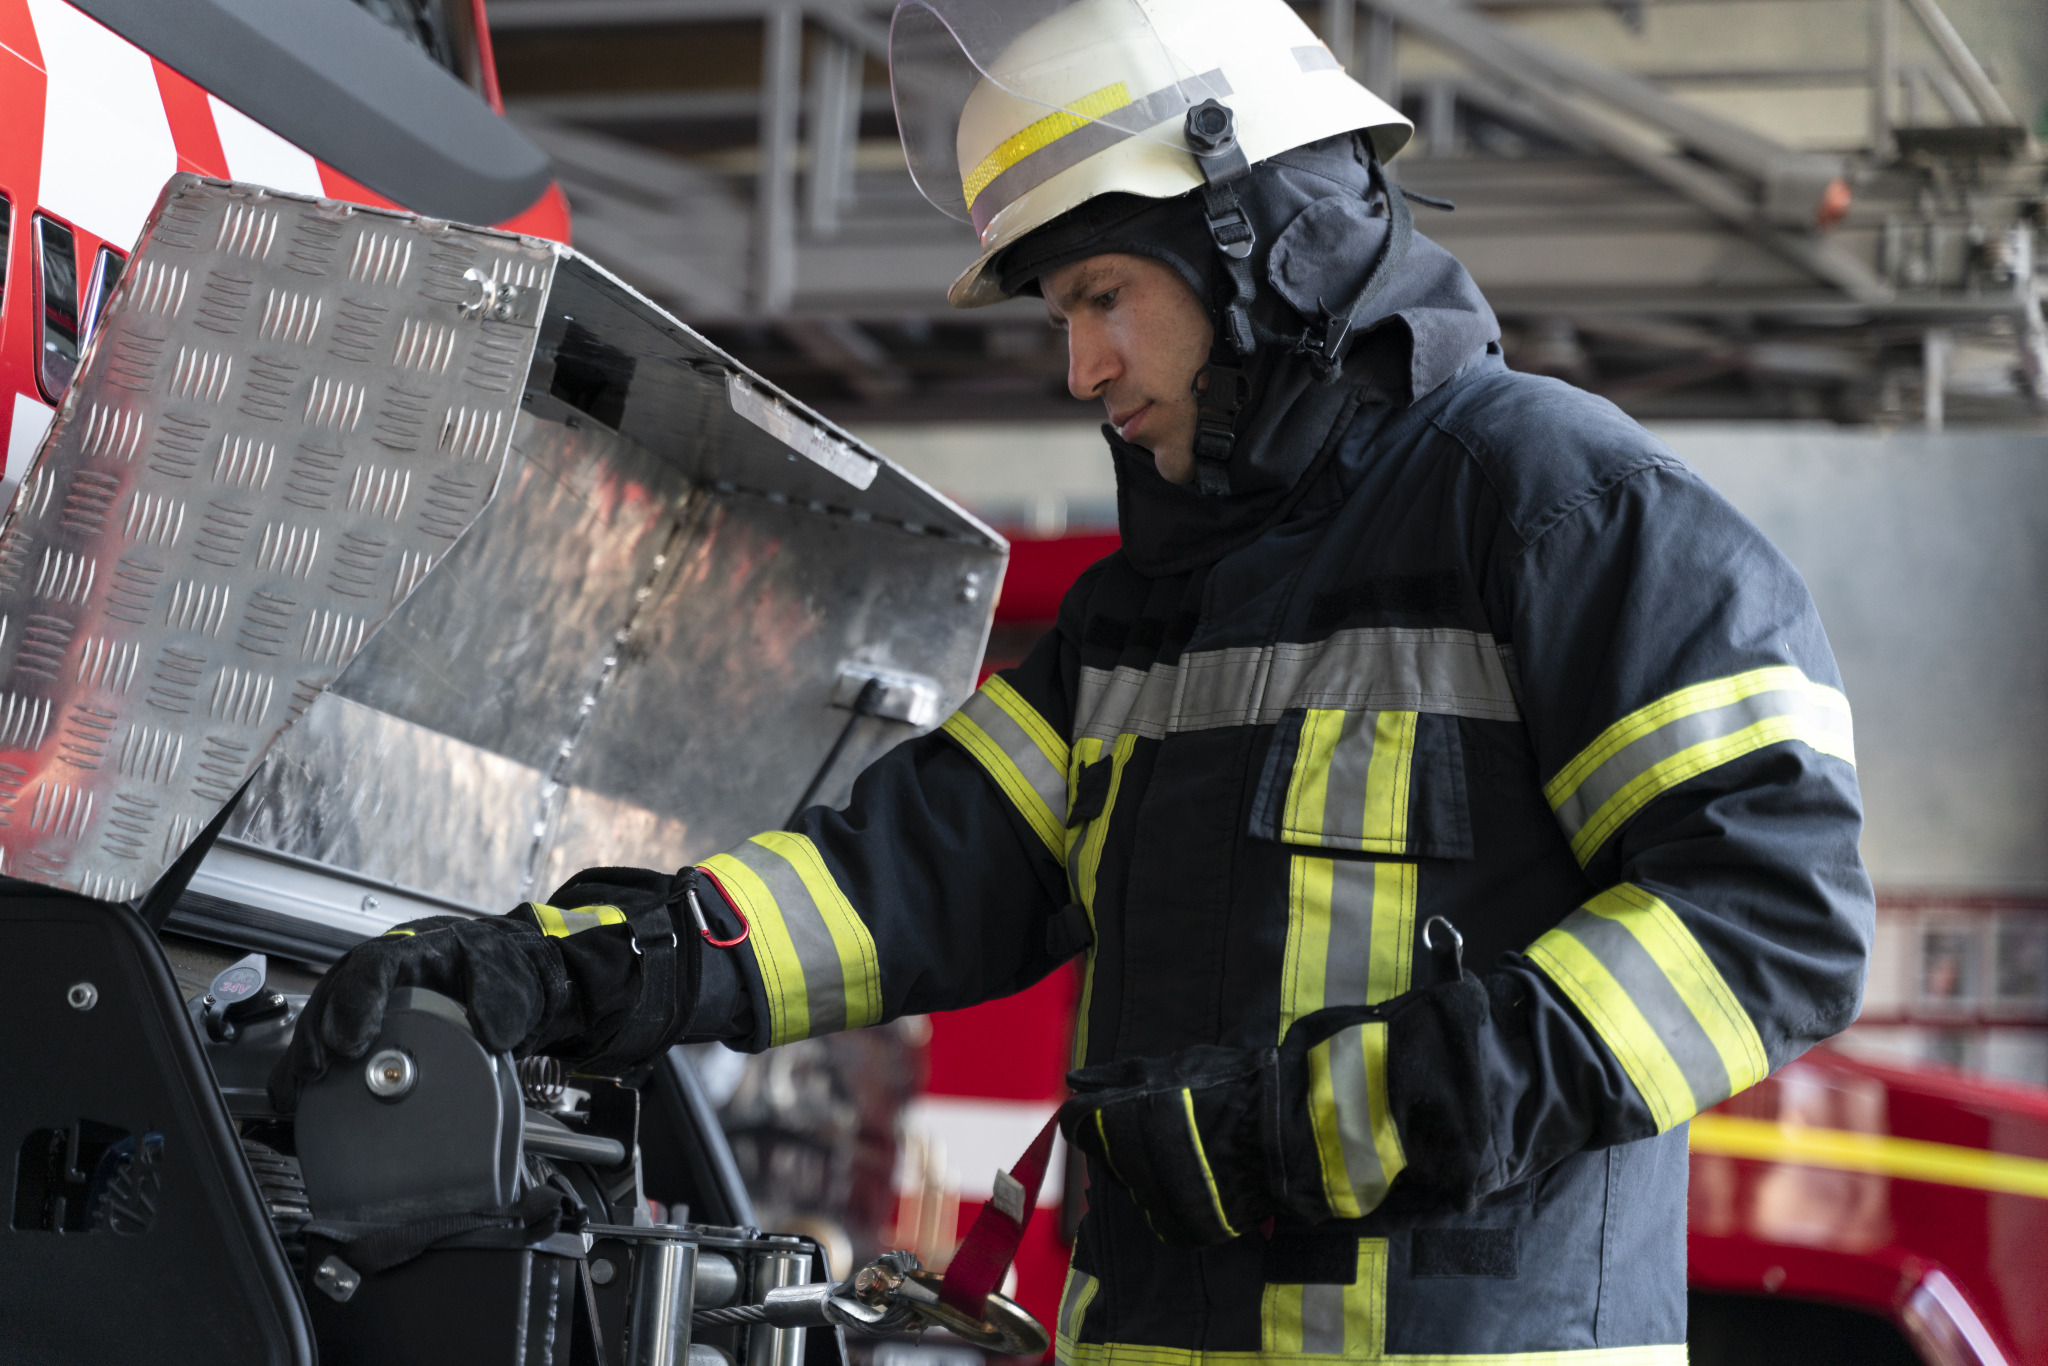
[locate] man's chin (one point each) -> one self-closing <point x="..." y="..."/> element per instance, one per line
<point x="1175" y="467"/>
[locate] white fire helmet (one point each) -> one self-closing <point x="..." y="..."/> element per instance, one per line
<point x="1014" y="111"/>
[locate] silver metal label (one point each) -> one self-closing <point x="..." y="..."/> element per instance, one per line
<point x="291" y="411"/>
<point x="800" y="434"/>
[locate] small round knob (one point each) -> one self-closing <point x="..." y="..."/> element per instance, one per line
<point x="82" y="996"/>
<point x="390" y="1074"/>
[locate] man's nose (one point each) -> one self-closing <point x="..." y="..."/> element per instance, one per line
<point x="1091" y="363"/>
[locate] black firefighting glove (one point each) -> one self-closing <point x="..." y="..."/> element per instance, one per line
<point x="597" y="974"/>
<point x="1211" y="1142"/>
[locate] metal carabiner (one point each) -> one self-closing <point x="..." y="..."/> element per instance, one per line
<point x="704" y="925"/>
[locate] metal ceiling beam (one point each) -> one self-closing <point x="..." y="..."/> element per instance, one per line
<point x="1963" y="62"/>
<point x="845" y="19"/>
<point x="1543" y="76"/>
<point x="739" y="104"/>
<point x="775" y="189"/>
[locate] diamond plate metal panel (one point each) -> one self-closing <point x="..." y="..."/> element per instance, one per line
<point x="638" y="655"/>
<point x="292" y="411"/>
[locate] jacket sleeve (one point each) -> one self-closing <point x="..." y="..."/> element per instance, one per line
<point x="931" y="890"/>
<point x="1695" y="749"/>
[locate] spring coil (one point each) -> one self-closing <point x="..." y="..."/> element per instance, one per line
<point x="543" y="1081"/>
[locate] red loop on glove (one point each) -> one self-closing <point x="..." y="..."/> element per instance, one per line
<point x="991" y="1244"/>
<point x="745" y="928"/>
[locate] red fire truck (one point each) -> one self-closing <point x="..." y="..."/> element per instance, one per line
<point x="103" y="101"/>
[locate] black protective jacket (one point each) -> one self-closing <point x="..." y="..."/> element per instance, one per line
<point x="1493" y="653"/>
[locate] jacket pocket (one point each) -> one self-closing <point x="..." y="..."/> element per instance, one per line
<point x="1373" y="782"/>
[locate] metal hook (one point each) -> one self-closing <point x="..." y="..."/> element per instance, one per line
<point x="1448" y="957"/>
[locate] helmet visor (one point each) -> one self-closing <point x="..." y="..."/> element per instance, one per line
<point x="993" y="97"/>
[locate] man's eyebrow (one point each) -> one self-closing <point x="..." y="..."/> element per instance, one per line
<point x="1086" y="283"/>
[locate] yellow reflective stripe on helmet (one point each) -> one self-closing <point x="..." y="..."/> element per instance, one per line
<point x="1187" y="1100"/>
<point x="399" y="934"/>
<point x="1075" y="1298"/>
<point x="818" y="962"/>
<point x="1025" y="756"/>
<point x="1678" y="737"/>
<point x="1043" y="133"/>
<point x="1331" y="1320"/>
<point x="563" y="923"/>
<point x="1070" y="1353"/>
<point x="1648" y="989"/>
<point x="1350" y="934"/>
<point x="1355" y="1137"/>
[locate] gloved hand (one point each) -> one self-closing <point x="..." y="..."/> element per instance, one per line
<point x="1213" y="1141"/>
<point x="596" y="974"/>
<point x="502" y="969"/>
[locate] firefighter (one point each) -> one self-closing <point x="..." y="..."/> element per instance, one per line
<point x="1450" y="794"/>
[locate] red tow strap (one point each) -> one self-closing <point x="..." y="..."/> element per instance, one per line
<point x="991" y="1244"/>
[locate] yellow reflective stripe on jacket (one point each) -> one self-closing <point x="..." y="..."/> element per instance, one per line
<point x="1355" y="1137"/>
<point x="1654" y="749"/>
<point x="563" y="923"/>
<point x="1331" y="1320"/>
<point x="1351" y="779"/>
<point x="1350" y="934"/>
<point x="817" y="959"/>
<point x="1187" y="1100"/>
<point x="1084" y="853"/>
<point x="1025" y="756"/>
<point x="1648" y="989"/>
<point x="1078" y="1294"/>
<point x="1084" y="859"/>
<point x="1070" y="1353"/>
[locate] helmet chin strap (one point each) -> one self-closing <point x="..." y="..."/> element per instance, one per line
<point x="1223" y="386"/>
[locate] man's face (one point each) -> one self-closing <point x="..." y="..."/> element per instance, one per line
<point x="1136" y="338"/>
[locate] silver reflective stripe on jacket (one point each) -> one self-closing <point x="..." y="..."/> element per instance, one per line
<point x="1455" y="672"/>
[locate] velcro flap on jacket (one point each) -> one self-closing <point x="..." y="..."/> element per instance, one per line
<point x="1371" y="781"/>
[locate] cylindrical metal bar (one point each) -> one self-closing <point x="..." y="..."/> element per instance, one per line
<point x="1379" y="65"/>
<point x="566" y="1143"/>
<point x="718" y="1280"/>
<point x="664" y="1285"/>
<point x="1884" y="72"/>
<point x="775" y="193"/>
<point x="1340" y="29"/>
<point x="1934" y="355"/>
<point x="778" y="1346"/>
<point x="834" y="116"/>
